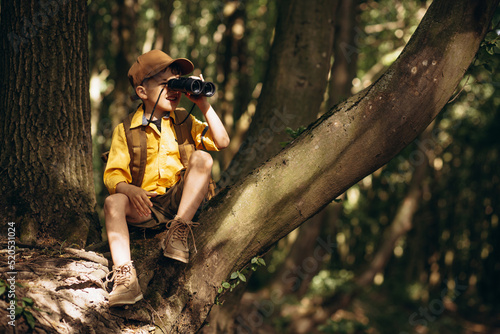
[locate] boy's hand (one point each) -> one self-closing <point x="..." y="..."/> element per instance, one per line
<point x="200" y="100"/>
<point x="139" y="198"/>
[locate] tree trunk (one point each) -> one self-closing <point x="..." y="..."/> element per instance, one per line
<point x="235" y="88"/>
<point x="164" y="31"/>
<point x="295" y="83"/>
<point x="303" y="262"/>
<point x="46" y="152"/>
<point x="345" y="52"/>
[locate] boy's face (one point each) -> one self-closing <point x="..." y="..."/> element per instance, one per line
<point x="151" y="88"/>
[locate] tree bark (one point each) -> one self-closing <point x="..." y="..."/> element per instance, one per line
<point x="295" y="83"/>
<point x="46" y="152"/>
<point x="345" y="52"/>
<point x="164" y="31"/>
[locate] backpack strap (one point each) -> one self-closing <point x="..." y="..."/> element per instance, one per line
<point x="185" y="140"/>
<point x="203" y="133"/>
<point x="138" y="150"/>
<point x="137" y="146"/>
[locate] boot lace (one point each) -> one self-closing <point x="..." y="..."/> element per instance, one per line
<point x="120" y="275"/>
<point x="181" y="229"/>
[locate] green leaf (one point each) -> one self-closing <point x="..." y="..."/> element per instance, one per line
<point x="254" y="260"/>
<point x="18" y="310"/>
<point x="226" y="285"/>
<point x="284" y="143"/>
<point x="261" y="261"/>
<point x="242" y="277"/>
<point x="28" y="301"/>
<point x="2" y="289"/>
<point x="29" y="318"/>
<point x="234" y="274"/>
<point x="220" y="290"/>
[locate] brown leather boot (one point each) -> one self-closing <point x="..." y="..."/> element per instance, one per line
<point x="175" y="244"/>
<point x="126" y="289"/>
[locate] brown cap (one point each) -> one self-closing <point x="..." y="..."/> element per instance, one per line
<point x="152" y="63"/>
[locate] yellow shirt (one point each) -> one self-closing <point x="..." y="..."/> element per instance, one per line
<point x="163" y="160"/>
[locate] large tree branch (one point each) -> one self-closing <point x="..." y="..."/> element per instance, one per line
<point x="348" y="143"/>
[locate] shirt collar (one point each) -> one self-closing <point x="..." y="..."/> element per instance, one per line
<point x="140" y="118"/>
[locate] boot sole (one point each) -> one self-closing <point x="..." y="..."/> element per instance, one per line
<point x="139" y="297"/>
<point x="172" y="255"/>
<point x="175" y="257"/>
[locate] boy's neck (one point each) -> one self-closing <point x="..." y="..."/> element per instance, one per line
<point x="158" y="113"/>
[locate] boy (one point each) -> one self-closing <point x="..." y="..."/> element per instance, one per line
<point x="168" y="189"/>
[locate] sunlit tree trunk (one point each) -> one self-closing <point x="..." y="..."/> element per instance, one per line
<point x="45" y="147"/>
<point x="294" y="85"/>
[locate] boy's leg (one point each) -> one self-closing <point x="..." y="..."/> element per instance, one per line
<point x="194" y="190"/>
<point x="116" y="228"/>
<point x="196" y="182"/>
<point x="126" y="289"/>
<point x="117" y="210"/>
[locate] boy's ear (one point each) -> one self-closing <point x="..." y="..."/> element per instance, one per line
<point x="141" y="92"/>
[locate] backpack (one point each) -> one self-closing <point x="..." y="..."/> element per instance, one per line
<point x="137" y="147"/>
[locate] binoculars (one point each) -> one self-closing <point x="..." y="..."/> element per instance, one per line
<point x="192" y="86"/>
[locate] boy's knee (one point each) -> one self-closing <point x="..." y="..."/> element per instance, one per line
<point x="114" y="203"/>
<point x="201" y="160"/>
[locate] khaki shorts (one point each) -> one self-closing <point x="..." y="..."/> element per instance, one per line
<point x="164" y="206"/>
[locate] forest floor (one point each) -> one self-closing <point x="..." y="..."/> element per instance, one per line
<point x="374" y="312"/>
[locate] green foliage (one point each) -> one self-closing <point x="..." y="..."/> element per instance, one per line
<point x="24" y="306"/>
<point x="327" y="282"/>
<point x="3" y="287"/>
<point x="239" y="276"/>
<point x="293" y="134"/>
<point x="487" y="55"/>
<point x="27" y="304"/>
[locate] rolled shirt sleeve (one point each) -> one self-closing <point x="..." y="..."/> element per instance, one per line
<point x="197" y="132"/>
